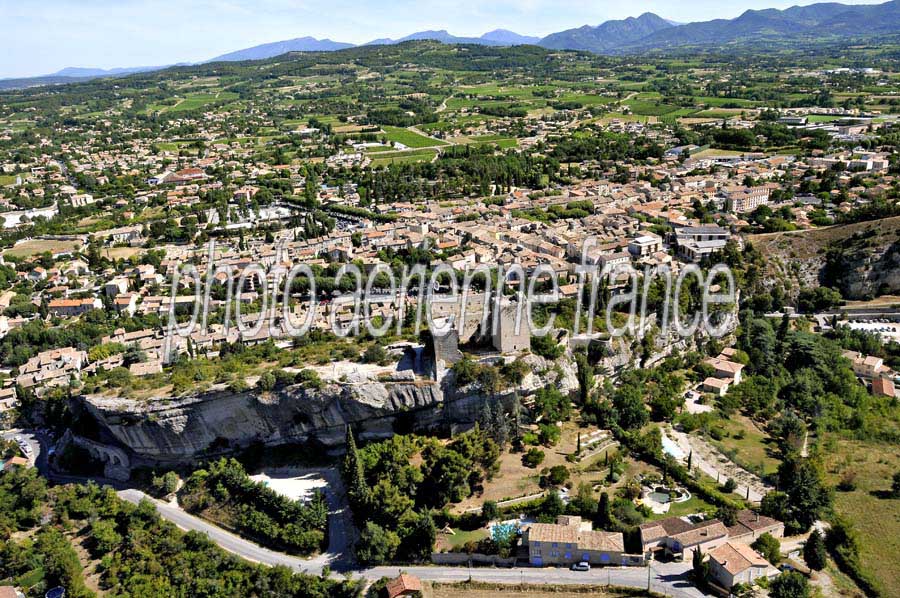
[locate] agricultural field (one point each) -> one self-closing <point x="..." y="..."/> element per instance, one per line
<point x="872" y="512"/>
<point x="745" y="444"/>
<point x="38" y="246"/>
<point x="409" y="138"/>
<point x="191" y="102"/>
<point x="402" y="157"/>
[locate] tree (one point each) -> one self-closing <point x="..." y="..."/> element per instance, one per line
<point x="376" y="545"/>
<point x="699" y="566"/>
<point x="165" y="484"/>
<point x="604" y="512"/>
<point x="354" y="475"/>
<point x="546" y="346"/>
<point x="104" y="536"/>
<point x="266" y="381"/>
<point x="768" y="546"/>
<point x="789" y="585"/>
<point x="60" y="562"/>
<point x="418" y="543"/>
<point x="552" y="405"/>
<point x="533" y="457"/>
<point x="727" y="514"/>
<point x="585" y="377"/>
<point x="629" y="407"/>
<point x="552" y="506"/>
<point x="489" y="510"/>
<point x="895" y="485"/>
<point x="814" y="551"/>
<point x="806" y="496"/>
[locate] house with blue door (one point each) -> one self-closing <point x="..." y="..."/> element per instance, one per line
<point x="571" y="540"/>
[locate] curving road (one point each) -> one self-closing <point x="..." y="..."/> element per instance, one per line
<point x="669" y="579"/>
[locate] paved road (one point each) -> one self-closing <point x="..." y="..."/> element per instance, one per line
<point x="670" y="579"/>
<point x="666" y="578"/>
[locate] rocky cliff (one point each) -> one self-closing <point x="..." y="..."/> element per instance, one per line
<point x="861" y="260"/>
<point x="177" y="430"/>
<point x="167" y="431"/>
<point x="170" y="431"/>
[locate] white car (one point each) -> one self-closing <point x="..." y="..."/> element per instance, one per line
<point x="582" y="566"/>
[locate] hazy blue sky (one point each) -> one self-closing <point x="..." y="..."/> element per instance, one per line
<point x="43" y="36"/>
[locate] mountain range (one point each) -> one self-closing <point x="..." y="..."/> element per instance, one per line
<point x="299" y="44"/>
<point x="497" y="37"/>
<point x="647" y="32"/>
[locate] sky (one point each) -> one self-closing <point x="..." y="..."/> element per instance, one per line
<point x="42" y="37"/>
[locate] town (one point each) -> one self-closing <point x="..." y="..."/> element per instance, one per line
<point x="454" y="320"/>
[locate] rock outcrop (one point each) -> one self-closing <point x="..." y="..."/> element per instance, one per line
<point x="862" y="260"/>
<point x="178" y="430"/>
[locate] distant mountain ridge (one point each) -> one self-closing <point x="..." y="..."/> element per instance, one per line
<point x="299" y="44"/>
<point x="607" y="36"/>
<point x="633" y="35"/>
<point x="792" y="24"/>
<point x="497" y="37"/>
<point x="80" y="72"/>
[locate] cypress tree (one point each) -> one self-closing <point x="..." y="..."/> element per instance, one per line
<point x="357" y="489"/>
<point x="604" y="514"/>
<point x="814" y="551"/>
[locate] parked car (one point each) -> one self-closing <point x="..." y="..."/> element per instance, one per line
<point x="582" y="566"/>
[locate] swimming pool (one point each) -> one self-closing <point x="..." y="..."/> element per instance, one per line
<point x="660" y="497"/>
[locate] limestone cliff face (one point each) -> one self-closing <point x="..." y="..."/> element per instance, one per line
<point x="166" y="431"/>
<point x="862" y="260"/>
<point x="177" y="430"/>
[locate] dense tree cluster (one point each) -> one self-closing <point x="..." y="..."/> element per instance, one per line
<point x="224" y="492"/>
<point x="392" y="499"/>
<point x="139" y="554"/>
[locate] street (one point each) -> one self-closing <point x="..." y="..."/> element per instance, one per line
<point x="670" y="579"/>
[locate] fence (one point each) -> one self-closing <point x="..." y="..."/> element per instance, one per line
<point x="462" y="558"/>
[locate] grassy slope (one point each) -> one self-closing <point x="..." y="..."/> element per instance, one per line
<point x="876" y="518"/>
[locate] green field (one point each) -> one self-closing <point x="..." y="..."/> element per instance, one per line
<point x="421" y="155"/>
<point x="7" y="179"/>
<point x="409" y="138"/>
<point x="875" y="516"/>
<point x="649" y="108"/>
<point x="823" y="118"/>
<point x="193" y="102"/>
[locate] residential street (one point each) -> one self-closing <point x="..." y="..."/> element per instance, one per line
<point x="666" y="578"/>
<point x="670" y="579"/>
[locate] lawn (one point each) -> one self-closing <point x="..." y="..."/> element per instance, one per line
<point x="460" y="538"/>
<point x="385" y="158"/>
<point x="716" y="153"/>
<point x="875" y="517"/>
<point x="409" y="138"/>
<point x="689" y="507"/>
<point x="7" y="179"/>
<point x="746" y="445"/>
<point x="39" y="246"/>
